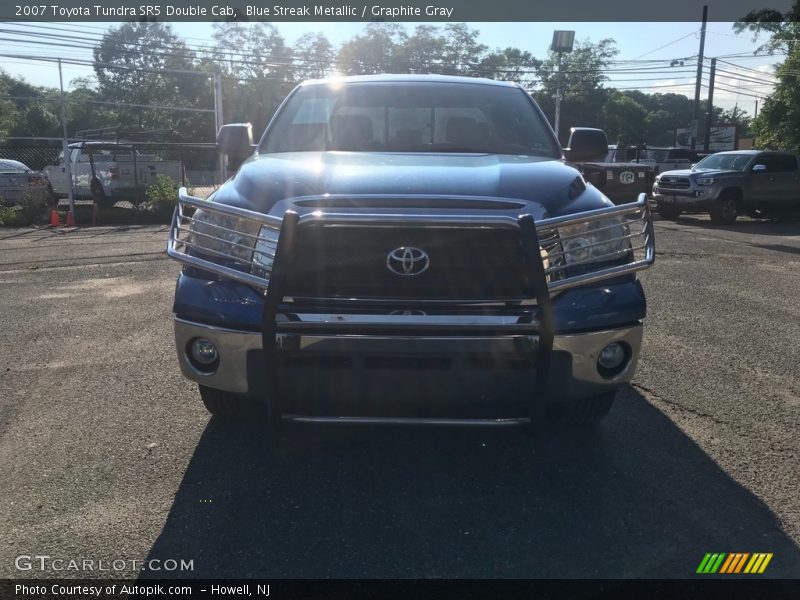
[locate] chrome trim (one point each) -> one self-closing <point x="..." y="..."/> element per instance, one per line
<point x="232" y="345"/>
<point x="505" y="345"/>
<point x="633" y="214"/>
<point x="401" y="319"/>
<point x="584" y="348"/>
<point x="406" y="421"/>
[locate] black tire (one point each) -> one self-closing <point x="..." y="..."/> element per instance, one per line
<point x="228" y="406"/>
<point x="584" y="412"/>
<point x="725" y="210"/>
<point x="669" y="212"/>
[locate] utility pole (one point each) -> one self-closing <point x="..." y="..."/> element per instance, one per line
<point x="218" y="122"/>
<point x="710" y="107"/>
<point x="696" y="108"/>
<point x="65" y="141"/>
<point x="755" y="114"/>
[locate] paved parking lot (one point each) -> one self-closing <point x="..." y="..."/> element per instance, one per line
<point x="107" y="453"/>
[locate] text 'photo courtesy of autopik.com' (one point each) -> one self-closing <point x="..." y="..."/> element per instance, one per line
<point x="430" y="299"/>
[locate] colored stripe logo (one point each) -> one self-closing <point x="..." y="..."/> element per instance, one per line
<point x="734" y="563"/>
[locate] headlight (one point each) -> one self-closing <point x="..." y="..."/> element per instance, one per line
<point x="223" y="236"/>
<point x="243" y="244"/>
<point x="705" y="181"/>
<point x="594" y="241"/>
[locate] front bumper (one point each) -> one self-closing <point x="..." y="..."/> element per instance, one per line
<point x="689" y="200"/>
<point x="475" y="364"/>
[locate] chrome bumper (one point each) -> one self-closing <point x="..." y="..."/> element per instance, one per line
<point x="583" y="348"/>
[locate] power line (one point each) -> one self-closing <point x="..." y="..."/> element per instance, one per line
<point x="683" y="37"/>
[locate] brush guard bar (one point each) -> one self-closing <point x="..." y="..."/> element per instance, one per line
<point x="258" y="250"/>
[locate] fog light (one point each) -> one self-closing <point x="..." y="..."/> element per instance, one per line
<point x="203" y="352"/>
<point x="611" y="357"/>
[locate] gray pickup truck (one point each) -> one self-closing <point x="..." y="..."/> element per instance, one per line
<point x="728" y="184"/>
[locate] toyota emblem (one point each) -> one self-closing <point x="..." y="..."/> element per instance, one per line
<point x="407" y="261"/>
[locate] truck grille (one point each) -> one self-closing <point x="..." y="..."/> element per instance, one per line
<point x="674" y="183"/>
<point x="367" y="262"/>
<point x="419" y="257"/>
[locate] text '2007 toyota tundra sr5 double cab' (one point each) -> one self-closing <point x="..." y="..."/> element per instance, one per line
<point x="728" y="184"/>
<point x="408" y="249"/>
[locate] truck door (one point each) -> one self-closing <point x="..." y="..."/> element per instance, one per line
<point x="787" y="182"/>
<point x="774" y="181"/>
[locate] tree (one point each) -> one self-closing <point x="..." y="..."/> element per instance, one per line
<point x="778" y="124"/>
<point x="258" y="70"/>
<point x="582" y="75"/>
<point x="625" y="119"/>
<point x="133" y="64"/>
<point x="423" y="51"/>
<point x="510" y="64"/>
<point x="376" y="50"/>
<point x="462" y="51"/>
<point x="314" y="56"/>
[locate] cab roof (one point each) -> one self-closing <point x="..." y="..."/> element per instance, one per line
<point x="409" y="78"/>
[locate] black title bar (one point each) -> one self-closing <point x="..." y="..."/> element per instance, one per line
<point x="382" y="10"/>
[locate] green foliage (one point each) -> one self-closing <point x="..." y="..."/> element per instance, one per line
<point x="777" y="126"/>
<point x="32" y="208"/>
<point x="162" y="196"/>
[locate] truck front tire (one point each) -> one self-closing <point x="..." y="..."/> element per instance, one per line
<point x="584" y="412"/>
<point x="725" y="210"/>
<point x="231" y="407"/>
<point x="669" y="212"/>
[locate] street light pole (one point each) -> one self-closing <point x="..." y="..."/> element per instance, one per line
<point x="558" y="99"/>
<point x="562" y="42"/>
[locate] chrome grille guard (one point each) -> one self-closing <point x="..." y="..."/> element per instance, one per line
<point x="241" y="244"/>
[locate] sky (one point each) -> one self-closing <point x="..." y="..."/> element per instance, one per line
<point x="641" y="41"/>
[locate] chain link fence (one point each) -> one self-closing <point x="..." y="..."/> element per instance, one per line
<point x="113" y="173"/>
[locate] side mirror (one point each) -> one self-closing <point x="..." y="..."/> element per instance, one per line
<point x="235" y="139"/>
<point x="587" y="144"/>
<point x="759" y="167"/>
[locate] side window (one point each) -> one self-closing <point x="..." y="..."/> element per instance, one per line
<point x="778" y="163"/>
<point x="787" y="163"/>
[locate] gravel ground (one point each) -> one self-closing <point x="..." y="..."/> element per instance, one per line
<point x="106" y="452"/>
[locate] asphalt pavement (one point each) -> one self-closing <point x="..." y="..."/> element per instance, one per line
<point x="106" y="453"/>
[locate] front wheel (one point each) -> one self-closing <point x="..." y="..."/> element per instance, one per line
<point x="669" y="212"/>
<point x="584" y="412"/>
<point x="724" y="211"/>
<point x="228" y="406"/>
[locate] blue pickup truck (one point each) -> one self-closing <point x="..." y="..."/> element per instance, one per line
<point x="408" y="249"/>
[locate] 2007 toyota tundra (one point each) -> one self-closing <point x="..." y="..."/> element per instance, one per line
<point x="408" y="249"/>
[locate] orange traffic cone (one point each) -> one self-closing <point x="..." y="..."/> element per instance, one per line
<point x="70" y="219"/>
<point x="54" y="220"/>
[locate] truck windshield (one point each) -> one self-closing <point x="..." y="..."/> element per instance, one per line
<point x="724" y="162"/>
<point x="410" y="117"/>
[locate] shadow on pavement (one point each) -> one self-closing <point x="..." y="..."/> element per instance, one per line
<point x="636" y="498"/>
<point x="783" y="227"/>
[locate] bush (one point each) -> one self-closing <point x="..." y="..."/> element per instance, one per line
<point x="32" y="208"/>
<point x="162" y="196"/>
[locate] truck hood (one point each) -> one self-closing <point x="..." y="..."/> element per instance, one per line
<point x="698" y="172"/>
<point x="545" y="186"/>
